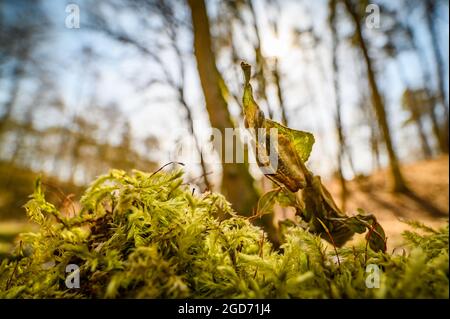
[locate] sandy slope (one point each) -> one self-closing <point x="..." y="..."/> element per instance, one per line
<point x="428" y="201"/>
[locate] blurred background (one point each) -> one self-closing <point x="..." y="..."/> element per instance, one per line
<point x="88" y="85"/>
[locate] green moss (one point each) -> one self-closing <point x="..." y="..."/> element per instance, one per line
<point x="146" y="236"/>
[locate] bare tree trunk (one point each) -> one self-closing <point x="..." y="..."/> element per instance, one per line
<point x="9" y="105"/>
<point x="184" y="104"/>
<point x="237" y="183"/>
<point x="375" y="147"/>
<point x="426" y="80"/>
<point x="416" y="115"/>
<point x="190" y="121"/>
<point x="440" y="70"/>
<point x="440" y="137"/>
<point x="23" y="130"/>
<point x="398" y="182"/>
<point x="277" y="80"/>
<point x="337" y="101"/>
<point x="426" y="149"/>
<point x="261" y="65"/>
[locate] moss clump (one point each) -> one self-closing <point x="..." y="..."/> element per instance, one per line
<point x="147" y="236"/>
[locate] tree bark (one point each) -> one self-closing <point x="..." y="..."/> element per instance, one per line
<point x="237" y="183"/>
<point x="426" y="80"/>
<point x="277" y="80"/>
<point x="413" y="105"/>
<point x="430" y="9"/>
<point x="398" y="182"/>
<point x="337" y="102"/>
<point x="260" y="72"/>
<point x="18" y="74"/>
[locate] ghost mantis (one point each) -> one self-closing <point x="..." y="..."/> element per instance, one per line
<point x="298" y="187"/>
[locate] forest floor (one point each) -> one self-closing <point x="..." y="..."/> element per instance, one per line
<point x="427" y="201"/>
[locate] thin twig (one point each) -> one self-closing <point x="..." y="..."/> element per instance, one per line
<point x="162" y="167"/>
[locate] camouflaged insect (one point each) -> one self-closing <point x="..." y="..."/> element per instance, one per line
<point x="299" y="188"/>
